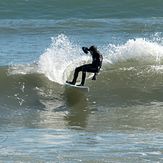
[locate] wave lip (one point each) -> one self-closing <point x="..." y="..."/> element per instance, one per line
<point x="138" y="49"/>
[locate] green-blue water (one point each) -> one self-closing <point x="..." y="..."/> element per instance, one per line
<point x="55" y="9"/>
<point x="119" y="120"/>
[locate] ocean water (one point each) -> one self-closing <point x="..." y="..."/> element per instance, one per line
<point x="119" y="120"/>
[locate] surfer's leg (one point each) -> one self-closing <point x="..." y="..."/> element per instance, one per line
<point x="85" y="69"/>
<point x="88" y="68"/>
<point x="83" y="78"/>
<point x="77" y="70"/>
<point x="94" y="76"/>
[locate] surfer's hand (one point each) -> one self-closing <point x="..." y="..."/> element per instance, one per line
<point x="85" y="50"/>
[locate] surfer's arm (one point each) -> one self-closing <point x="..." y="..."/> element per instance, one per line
<point x="85" y="50"/>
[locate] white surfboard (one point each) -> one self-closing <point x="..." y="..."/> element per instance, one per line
<point x="81" y="88"/>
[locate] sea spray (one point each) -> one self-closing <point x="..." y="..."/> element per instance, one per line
<point x="139" y="49"/>
<point x="60" y="59"/>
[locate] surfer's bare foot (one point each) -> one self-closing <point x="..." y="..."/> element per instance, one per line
<point x="94" y="77"/>
<point x="70" y="82"/>
<point x="80" y="85"/>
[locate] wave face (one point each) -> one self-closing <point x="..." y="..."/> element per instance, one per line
<point x="132" y="72"/>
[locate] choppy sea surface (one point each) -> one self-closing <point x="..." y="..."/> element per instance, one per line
<point x="119" y="120"/>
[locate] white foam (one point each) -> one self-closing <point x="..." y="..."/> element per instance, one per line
<point x="140" y="49"/>
<point x="60" y="59"/>
<point x="23" y="69"/>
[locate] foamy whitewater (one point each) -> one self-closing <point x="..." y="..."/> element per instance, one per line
<point x="60" y="59"/>
<point x="119" y="120"/>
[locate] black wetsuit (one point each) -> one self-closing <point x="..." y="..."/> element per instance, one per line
<point x="94" y="67"/>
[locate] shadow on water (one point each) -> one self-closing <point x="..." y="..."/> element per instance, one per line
<point x="77" y="106"/>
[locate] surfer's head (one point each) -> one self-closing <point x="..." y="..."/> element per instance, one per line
<point x="93" y="49"/>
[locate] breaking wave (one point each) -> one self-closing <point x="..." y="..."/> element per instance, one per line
<point x="135" y="67"/>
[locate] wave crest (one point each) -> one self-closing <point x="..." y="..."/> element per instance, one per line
<point x="141" y="50"/>
<point x="60" y="59"/>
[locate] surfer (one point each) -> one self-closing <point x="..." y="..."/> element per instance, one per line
<point x="94" y="67"/>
